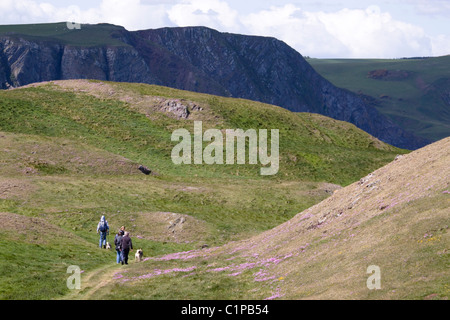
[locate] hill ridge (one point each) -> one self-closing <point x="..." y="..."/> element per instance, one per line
<point x="324" y="251"/>
<point x="193" y="58"/>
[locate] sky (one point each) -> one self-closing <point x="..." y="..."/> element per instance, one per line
<point x="319" y="29"/>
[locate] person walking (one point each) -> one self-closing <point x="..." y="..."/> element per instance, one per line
<point x="127" y="246"/>
<point x="118" y="244"/>
<point x="103" y="229"/>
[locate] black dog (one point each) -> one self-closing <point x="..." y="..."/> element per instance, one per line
<point x="144" y="170"/>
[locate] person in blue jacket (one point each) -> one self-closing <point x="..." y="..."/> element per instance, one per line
<point x="103" y="229"/>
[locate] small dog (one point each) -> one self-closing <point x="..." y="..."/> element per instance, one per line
<point x="138" y="255"/>
<point x="108" y="246"/>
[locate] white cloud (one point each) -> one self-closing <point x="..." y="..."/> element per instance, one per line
<point x="133" y="14"/>
<point x="21" y="11"/>
<point x="212" y="13"/>
<point x="431" y="7"/>
<point x="372" y="33"/>
<point x="441" y="45"/>
<point x="302" y="30"/>
<point x="357" y="33"/>
<point x="354" y="33"/>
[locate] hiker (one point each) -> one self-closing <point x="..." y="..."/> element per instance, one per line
<point x="103" y="228"/>
<point x="118" y="243"/>
<point x="127" y="245"/>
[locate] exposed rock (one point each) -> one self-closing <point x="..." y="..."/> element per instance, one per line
<point x="177" y="225"/>
<point x="177" y="108"/>
<point x="366" y="179"/>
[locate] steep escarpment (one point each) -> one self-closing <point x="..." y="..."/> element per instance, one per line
<point x="193" y="58"/>
<point x="25" y="61"/>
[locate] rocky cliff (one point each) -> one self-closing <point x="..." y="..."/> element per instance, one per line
<point x="193" y="58"/>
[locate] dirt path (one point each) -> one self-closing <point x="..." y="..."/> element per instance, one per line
<point x="93" y="282"/>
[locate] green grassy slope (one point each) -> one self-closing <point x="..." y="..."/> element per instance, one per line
<point x="88" y="35"/>
<point x="395" y="219"/>
<point x="312" y="147"/>
<point x="69" y="153"/>
<point x="413" y="99"/>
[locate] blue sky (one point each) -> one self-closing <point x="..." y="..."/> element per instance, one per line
<point x="321" y="28"/>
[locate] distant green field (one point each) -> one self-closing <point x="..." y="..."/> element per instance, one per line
<point x="412" y="99"/>
<point x="88" y="35"/>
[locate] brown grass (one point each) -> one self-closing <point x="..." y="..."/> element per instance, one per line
<point x="396" y="218"/>
<point x="170" y="227"/>
<point x="31" y="229"/>
<point x="150" y="105"/>
<point x="30" y="155"/>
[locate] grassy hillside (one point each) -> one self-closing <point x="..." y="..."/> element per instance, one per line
<point x="412" y="92"/>
<point x="395" y="218"/>
<point x="70" y="152"/>
<point x="88" y="35"/>
<point x="126" y="119"/>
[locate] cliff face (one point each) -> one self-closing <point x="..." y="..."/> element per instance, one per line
<point x="197" y="59"/>
<point x="24" y="62"/>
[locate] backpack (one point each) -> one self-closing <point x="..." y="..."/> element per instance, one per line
<point x="103" y="227"/>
